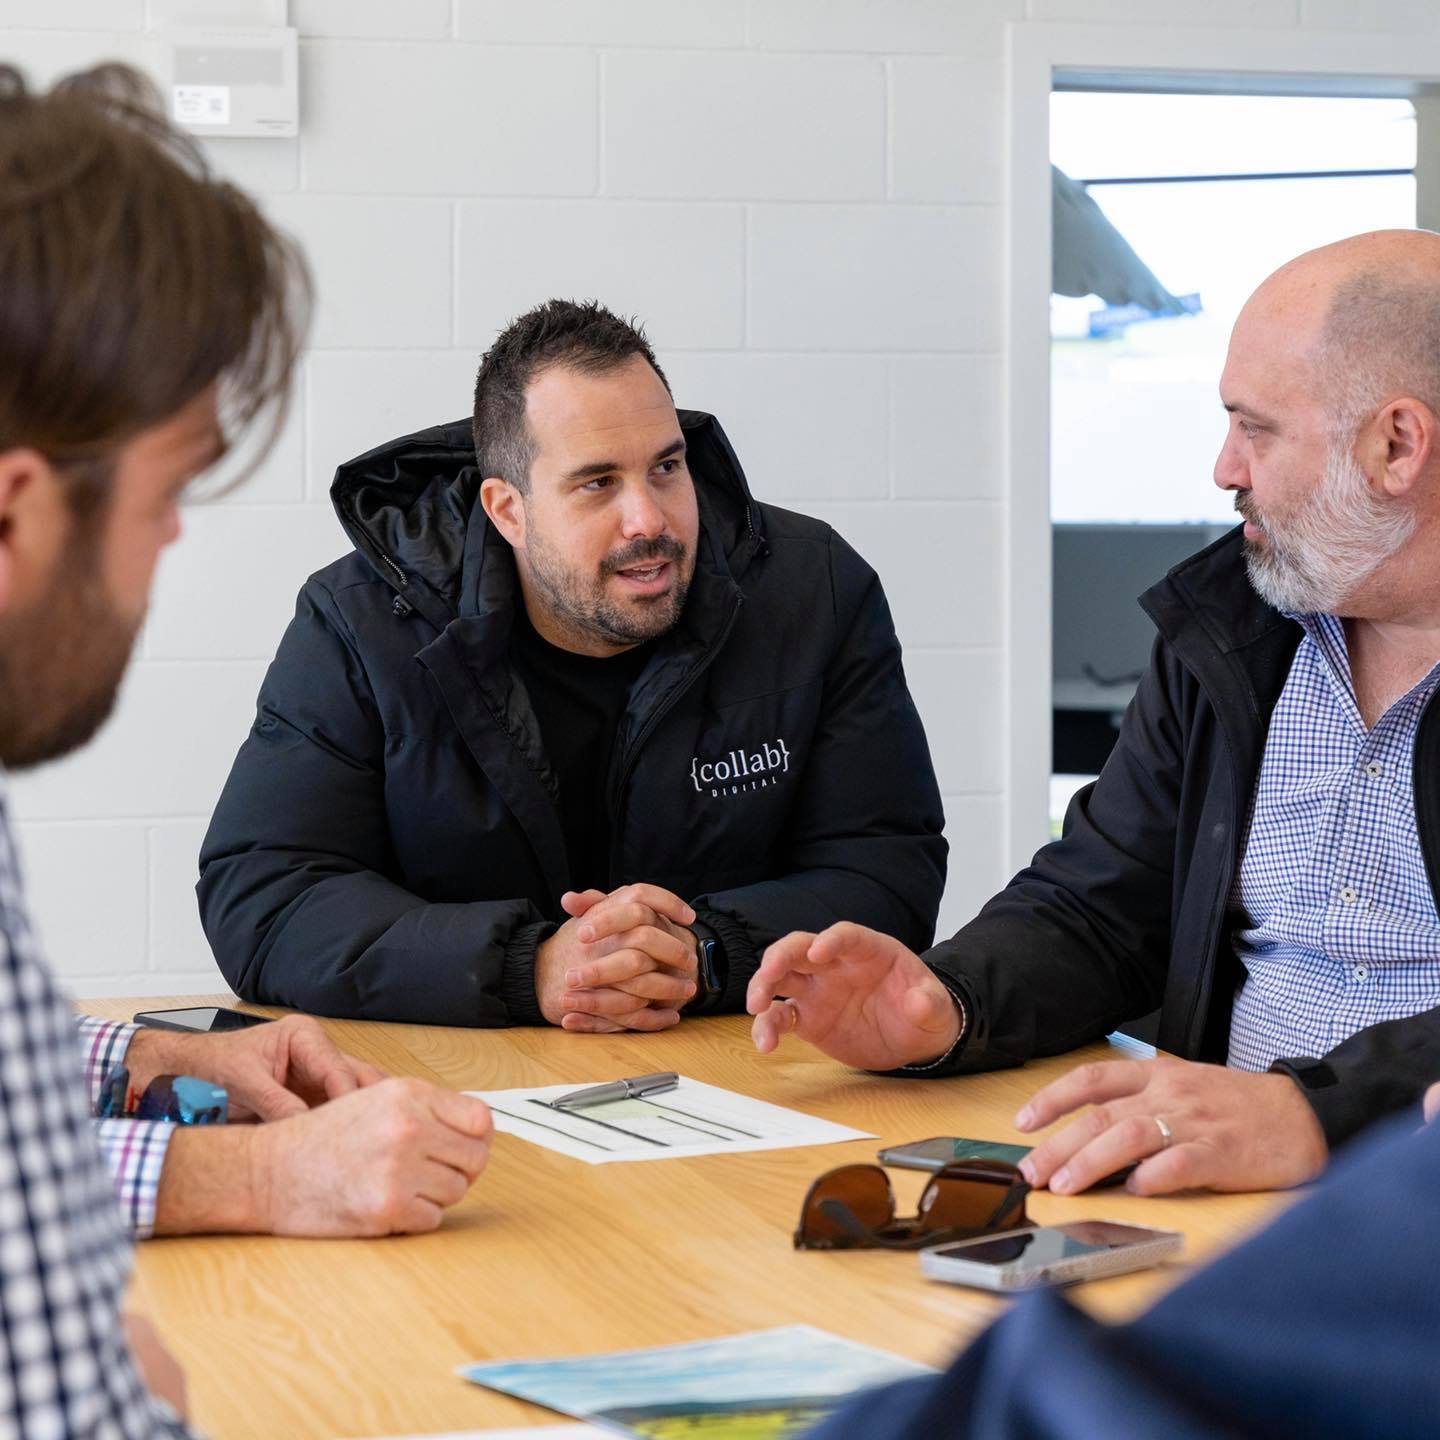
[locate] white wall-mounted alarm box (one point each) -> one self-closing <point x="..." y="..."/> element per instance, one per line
<point x="232" y="82"/>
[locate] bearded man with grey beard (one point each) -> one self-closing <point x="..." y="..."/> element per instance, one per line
<point x="1261" y="854"/>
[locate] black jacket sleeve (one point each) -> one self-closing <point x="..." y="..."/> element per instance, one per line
<point x="1079" y="941"/>
<point x="295" y="892"/>
<point x="1375" y="1072"/>
<point x="864" y="840"/>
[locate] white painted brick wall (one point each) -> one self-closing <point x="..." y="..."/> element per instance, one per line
<point x="358" y="399"/>
<point x="875" y="277"/>
<point x="448" y="119"/>
<point x="753" y="127"/>
<point x="1171" y="12"/>
<point x="1401" y="15"/>
<point x="808" y="427"/>
<point x="679" y="267"/>
<point x="382" y="267"/>
<point x="802" y="199"/>
<point x="373" y="19"/>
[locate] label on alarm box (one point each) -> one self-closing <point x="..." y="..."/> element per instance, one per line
<point x="202" y="104"/>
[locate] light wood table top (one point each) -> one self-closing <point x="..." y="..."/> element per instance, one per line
<point x="548" y="1256"/>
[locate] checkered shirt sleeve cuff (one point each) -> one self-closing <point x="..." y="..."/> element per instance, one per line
<point x="135" y="1152"/>
<point x="103" y="1044"/>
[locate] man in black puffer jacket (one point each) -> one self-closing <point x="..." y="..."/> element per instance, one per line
<point x="576" y="731"/>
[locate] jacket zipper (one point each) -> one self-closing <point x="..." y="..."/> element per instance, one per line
<point x="401" y="578"/>
<point x="1239" y="809"/>
<point x="631" y="760"/>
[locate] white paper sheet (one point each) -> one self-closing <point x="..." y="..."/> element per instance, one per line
<point x="692" y="1119"/>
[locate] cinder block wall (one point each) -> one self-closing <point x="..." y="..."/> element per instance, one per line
<point x="803" y="200"/>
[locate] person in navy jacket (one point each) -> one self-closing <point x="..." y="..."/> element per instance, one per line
<point x="1324" y="1325"/>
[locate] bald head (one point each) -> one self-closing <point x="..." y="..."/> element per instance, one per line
<point x="1365" y="313"/>
<point x="1333" y="449"/>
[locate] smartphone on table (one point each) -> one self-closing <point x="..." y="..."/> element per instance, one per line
<point x="1050" y="1255"/>
<point x="942" y="1149"/>
<point x="207" y="1019"/>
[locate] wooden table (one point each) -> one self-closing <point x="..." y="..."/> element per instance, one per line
<point x="549" y="1256"/>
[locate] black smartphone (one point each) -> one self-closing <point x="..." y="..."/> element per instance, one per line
<point x="941" y="1149"/>
<point x="207" y="1019"/>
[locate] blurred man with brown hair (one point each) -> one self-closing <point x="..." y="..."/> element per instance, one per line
<point x="147" y="314"/>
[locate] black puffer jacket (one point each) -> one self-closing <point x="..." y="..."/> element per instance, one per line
<point x="388" y="845"/>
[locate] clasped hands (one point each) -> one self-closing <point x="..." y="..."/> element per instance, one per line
<point x="867" y="1001"/>
<point x="623" y="961"/>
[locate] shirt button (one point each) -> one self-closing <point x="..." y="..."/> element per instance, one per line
<point x="1362" y="972"/>
<point x="1348" y="894"/>
<point x="1374" y="769"/>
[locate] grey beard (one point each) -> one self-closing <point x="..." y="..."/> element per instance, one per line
<point x="1317" y="558"/>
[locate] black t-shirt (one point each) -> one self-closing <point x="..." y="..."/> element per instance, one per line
<point x="578" y="701"/>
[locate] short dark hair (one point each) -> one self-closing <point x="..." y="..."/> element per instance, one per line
<point x="131" y="279"/>
<point x="582" y="336"/>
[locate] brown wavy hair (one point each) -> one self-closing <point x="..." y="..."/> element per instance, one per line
<point x="131" y="280"/>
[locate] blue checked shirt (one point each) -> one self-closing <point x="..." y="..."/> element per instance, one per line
<point x="65" y="1369"/>
<point x="1337" y="927"/>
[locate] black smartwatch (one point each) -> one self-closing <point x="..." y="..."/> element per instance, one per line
<point x="710" y="955"/>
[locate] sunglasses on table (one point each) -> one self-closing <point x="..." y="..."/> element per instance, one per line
<point x="853" y="1208"/>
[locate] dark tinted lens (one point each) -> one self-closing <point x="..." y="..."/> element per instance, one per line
<point x="864" y="1191"/>
<point x="968" y="1196"/>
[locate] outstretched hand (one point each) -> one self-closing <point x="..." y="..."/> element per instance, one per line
<point x="858" y="995"/>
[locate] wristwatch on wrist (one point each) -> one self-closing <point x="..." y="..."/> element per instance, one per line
<point x="710" y="958"/>
<point x="183" y="1099"/>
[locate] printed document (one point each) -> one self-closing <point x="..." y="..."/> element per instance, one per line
<point x="692" y="1119"/>
<point x="764" y="1385"/>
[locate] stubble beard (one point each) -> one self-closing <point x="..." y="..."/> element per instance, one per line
<point x="584" y="608"/>
<point x="61" y="663"/>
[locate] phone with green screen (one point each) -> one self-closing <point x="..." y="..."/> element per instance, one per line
<point x="942" y="1149"/>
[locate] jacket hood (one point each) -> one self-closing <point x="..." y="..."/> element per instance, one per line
<point x="411" y="508"/>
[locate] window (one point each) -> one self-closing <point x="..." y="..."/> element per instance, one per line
<point x="1136" y="422"/>
<point x="1212" y="193"/>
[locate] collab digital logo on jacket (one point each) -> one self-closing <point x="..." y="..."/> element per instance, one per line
<point x="740" y="770"/>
